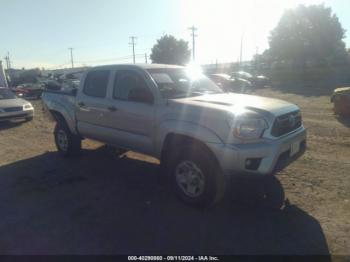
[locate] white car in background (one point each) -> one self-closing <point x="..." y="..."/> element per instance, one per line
<point x="12" y="107"/>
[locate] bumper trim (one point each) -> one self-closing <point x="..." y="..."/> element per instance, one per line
<point x="17" y="116"/>
<point x="285" y="159"/>
<point x="274" y="154"/>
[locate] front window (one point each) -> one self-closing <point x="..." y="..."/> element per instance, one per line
<point x="179" y="82"/>
<point x="6" y="94"/>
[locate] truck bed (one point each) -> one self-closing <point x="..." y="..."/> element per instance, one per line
<point x="62" y="102"/>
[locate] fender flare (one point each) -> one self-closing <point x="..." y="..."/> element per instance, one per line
<point x="57" y="108"/>
<point x="185" y="128"/>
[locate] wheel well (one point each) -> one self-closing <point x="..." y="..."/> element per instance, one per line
<point x="173" y="140"/>
<point x="58" y="116"/>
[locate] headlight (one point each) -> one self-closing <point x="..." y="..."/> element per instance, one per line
<point x="252" y="128"/>
<point x="27" y="106"/>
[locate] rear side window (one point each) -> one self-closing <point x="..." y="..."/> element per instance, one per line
<point x="96" y="83"/>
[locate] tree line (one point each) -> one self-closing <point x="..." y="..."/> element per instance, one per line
<point x="305" y="37"/>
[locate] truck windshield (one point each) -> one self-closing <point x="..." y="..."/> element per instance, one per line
<point x="178" y="82"/>
<point x="6" y="94"/>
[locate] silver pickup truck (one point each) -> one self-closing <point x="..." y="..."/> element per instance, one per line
<point x="200" y="134"/>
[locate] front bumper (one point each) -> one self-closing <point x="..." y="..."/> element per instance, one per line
<point x="16" y="115"/>
<point x="271" y="155"/>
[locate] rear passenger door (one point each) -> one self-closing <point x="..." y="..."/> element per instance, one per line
<point x="92" y="107"/>
<point x="133" y="109"/>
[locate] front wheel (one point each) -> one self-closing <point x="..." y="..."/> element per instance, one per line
<point x="67" y="143"/>
<point x="29" y="118"/>
<point x="196" y="176"/>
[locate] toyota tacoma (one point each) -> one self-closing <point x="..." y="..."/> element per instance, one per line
<point x="200" y="134"/>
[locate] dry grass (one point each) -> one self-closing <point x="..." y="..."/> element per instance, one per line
<point x="320" y="181"/>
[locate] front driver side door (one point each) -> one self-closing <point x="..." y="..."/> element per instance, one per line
<point x="133" y="110"/>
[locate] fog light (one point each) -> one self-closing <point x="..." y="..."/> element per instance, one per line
<point x="252" y="163"/>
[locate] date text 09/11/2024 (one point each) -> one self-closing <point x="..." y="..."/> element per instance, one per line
<point x="173" y="258"/>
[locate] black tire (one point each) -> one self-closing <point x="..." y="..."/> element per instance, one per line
<point x="273" y="193"/>
<point x="73" y="142"/>
<point x="214" y="180"/>
<point x="28" y="119"/>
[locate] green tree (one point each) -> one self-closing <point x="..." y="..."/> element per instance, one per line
<point x="169" y="50"/>
<point x="308" y="34"/>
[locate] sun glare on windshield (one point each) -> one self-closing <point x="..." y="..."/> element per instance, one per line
<point x="194" y="71"/>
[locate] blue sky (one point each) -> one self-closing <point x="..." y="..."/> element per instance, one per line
<point x="38" y="33"/>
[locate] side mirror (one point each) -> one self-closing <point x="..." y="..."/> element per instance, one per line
<point x="141" y="95"/>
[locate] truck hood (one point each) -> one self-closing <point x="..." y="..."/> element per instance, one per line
<point x="238" y="102"/>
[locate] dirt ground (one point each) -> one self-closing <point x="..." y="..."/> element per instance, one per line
<point x="102" y="203"/>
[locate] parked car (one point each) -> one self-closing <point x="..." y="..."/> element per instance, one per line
<point x="261" y="81"/>
<point x="200" y="134"/>
<point x="229" y="84"/>
<point x="341" y="101"/>
<point x="12" y="107"/>
<point x="243" y="75"/>
<point x="53" y="85"/>
<point x="29" y="90"/>
<point x="258" y="81"/>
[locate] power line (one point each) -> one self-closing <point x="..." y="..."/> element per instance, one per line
<point x="133" y="38"/>
<point x="71" y="56"/>
<point x="193" y="33"/>
<point x="111" y="59"/>
<point x="57" y="66"/>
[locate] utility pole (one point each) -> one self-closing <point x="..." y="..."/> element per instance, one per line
<point x="71" y="56"/>
<point x="241" y="51"/>
<point x="3" y="77"/>
<point x="146" y="61"/>
<point x="193" y="34"/>
<point x="132" y="43"/>
<point x="8" y="61"/>
<point x="256" y="58"/>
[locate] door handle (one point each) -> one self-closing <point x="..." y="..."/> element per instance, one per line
<point x="81" y="104"/>
<point x="112" y="108"/>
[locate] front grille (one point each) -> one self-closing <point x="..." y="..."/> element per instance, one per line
<point x="286" y="123"/>
<point x="13" y="109"/>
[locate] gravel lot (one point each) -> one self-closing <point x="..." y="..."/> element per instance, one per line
<point x="102" y="203"/>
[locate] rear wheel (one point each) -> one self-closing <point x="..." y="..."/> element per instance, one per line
<point x="196" y="176"/>
<point x="67" y="143"/>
